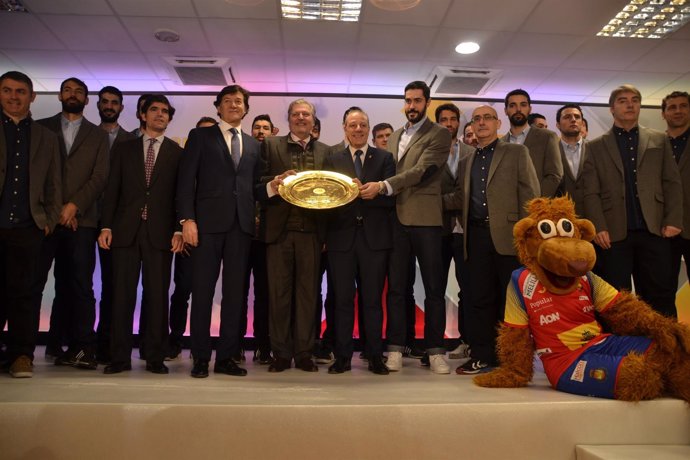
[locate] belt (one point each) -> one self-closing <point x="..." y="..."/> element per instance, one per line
<point x="359" y="221"/>
<point x="479" y="222"/>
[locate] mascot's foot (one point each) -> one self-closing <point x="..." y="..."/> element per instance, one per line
<point x="638" y="379"/>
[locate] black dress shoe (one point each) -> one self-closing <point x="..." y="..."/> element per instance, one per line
<point x="200" y="368"/>
<point x="116" y="368"/>
<point x="377" y="366"/>
<point x="157" y="367"/>
<point x="340" y="366"/>
<point x="279" y="364"/>
<point x="307" y="365"/>
<point x="229" y="367"/>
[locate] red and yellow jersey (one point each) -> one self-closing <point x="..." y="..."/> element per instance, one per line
<point x="562" y="326"/>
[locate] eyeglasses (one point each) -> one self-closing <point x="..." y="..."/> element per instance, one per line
<point x="486" y="117"/>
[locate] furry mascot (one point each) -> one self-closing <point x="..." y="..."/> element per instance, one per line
<point x="554" y="304"/>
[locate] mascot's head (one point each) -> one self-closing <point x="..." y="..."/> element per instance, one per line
<point x="554" y="244"/>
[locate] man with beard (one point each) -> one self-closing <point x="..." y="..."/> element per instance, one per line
<point x="573" y="151"/>
<point x="109" y="109"/>
<point x="420" y="149"/>
<point x="634" y="198"/>
<point x="84" y="149"/>
<point x="542" y="143"/>
<point x="675" y="110"/>
<point x="262" y="127"/>
<point x="468" y="136"/>
<point x="448" y="116"/>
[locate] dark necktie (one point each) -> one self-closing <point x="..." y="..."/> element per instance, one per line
<point x="235" y="147"/>
<point x="358" y="164"/>
<point x="148" y="169"/>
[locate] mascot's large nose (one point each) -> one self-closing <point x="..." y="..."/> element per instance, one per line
<point x="579" y="266"/>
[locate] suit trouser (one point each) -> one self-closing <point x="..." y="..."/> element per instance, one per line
<point x="370" y="267"/>
<point x="293" y="269"/>
<point x="257" y="268"/>
<point x="179" y="301"/>
<point x="73" y="314"/>
<point x="647" y="258"/>
<point x="453" y="250"/>
<point x="486" y="278"/>
<point x="425" y="244"/>
<point x="232" y="248"/>
<point x="680" y="247"/>
<point x="327" y="305"/>
<point x="155" y="265"/>
<point x="19" y="253"/>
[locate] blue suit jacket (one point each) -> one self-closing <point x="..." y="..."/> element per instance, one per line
<point x="210" y="189"/>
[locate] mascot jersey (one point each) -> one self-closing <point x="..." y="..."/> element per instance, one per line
<point x="563" y="326"/>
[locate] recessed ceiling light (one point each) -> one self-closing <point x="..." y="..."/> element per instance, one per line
<point x="394" y="5"/>
<point x="638" y="19"/>
<point x="467" y="48"/>
<point x="166" y="35"/>
<point x="328" y="10"/>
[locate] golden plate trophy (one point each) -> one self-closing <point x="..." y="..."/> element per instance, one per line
<point x="318" y="189"/>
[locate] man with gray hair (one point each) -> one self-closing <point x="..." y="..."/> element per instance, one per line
<point x="294" y="238"/>
<point x="633" y="195"/>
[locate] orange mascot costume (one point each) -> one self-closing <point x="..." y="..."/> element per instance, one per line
<point x="556" y="306"/>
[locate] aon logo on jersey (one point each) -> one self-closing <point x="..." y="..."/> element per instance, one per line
<point x="548" y="319"/>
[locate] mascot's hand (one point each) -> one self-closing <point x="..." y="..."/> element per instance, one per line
<point x="501" y="378"/>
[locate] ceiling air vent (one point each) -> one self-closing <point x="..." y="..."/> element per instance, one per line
<point x="200" y="71"/>
<point x="452" y="81"/>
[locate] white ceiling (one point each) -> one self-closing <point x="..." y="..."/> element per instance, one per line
<point x="547" y="47"/>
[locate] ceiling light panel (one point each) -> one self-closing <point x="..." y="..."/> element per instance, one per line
<point x="648" y="19"/>
<point x="328" y="10"/>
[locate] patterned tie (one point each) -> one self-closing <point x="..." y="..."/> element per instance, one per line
<point x="302" y="144"/>
<point x="358" y="164"/>
<point x="148" y="169"/>
<point x="235" y="147"/>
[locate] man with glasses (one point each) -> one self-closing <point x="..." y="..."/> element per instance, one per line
<point x="498" y="179"/>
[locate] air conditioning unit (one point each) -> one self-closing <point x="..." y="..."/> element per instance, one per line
<point x="455" y="81"/>
<point x="200" y="71"/>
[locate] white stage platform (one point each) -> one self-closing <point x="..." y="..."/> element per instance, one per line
<point x="64" y="413"/>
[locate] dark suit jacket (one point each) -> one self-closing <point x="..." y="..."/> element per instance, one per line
<point x="511" y="183"/>
<point x="126" y="193"/>
<point x="45" y="182"/>
<point x="276" y="159"/>
<point x="658" y="184"/>
<point x="450" y="186"/>
<point x="210" y="189"/>
<point x="122" y="136"/>
<point x="375" y="214"/>
<point x="85" y="169"/>
<point x="574" y="185"/>
<point x="417" y="182"/>
<point x="543" y="150"/>
<point x="684" y="167"/>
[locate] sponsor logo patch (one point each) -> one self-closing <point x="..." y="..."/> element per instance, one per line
<point x="598" y="374"/>
<point x="579" y="372"/>
<point x="529" y="286"/>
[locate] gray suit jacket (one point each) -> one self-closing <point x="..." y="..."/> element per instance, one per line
<point x="684" y="167"/>
<point x="543" y="150"/>
<point x="45" y="190"/>
<point x="450" y="186"/>
<point x="85" y="169"/>
<point x="417" y="181"/>
<point x="572" y="184"/>
<point x="511" y="183"/>
<point x="658" y="184"/>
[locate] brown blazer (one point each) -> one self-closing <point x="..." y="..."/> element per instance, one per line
<point x="45" y="188"/>
<point x="543" y="150"/>
<point x="417" y="180"/>
<point x="572" y="184"/>
<point x="85" y="169"/>
<point x="511" y="183"/>
<point x="275" y="160"/>
<point x="658" y="184"/>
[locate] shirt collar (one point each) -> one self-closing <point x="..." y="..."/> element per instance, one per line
<point x="363" y="149"/>
<point x="488" y="148"/>
<point x="66" y="122"/>
<point x="225" y="126"/>
<point x="297" y="140"/>
<point x="618" y="130"/>
<point x="409" y="129"/>
<point x="160" y="138"/>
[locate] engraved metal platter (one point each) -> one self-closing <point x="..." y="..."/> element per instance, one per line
<point x="318" y="189"/>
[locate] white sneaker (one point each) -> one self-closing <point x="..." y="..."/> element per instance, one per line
<point x="462" y="351"/>
<point x="438" y="364"/>
<point x="394" y="362"/>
